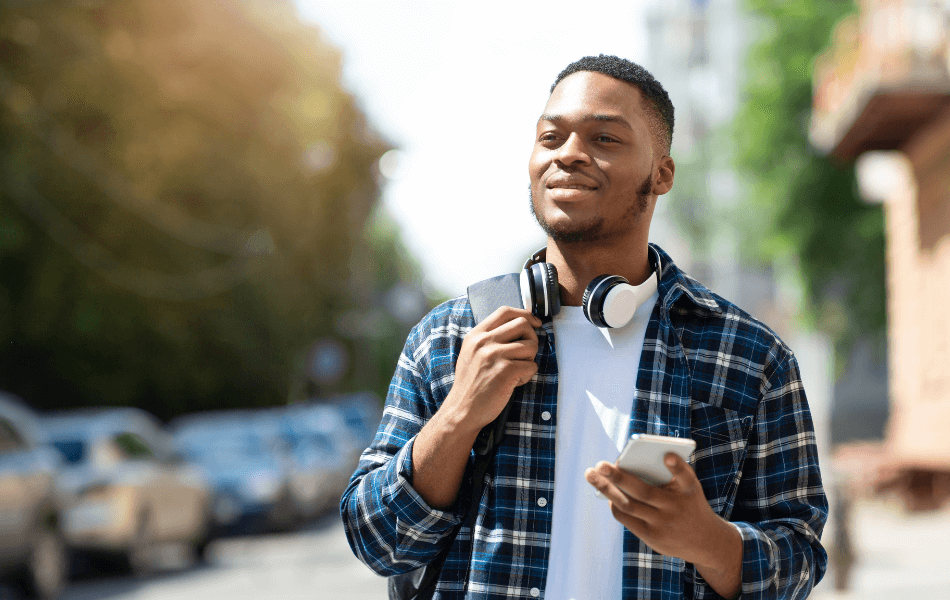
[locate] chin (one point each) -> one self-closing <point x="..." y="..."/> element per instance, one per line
<point x="591" y="230"/>
<point x="561" y="226"/>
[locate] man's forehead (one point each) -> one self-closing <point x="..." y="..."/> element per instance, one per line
<point x="595" y="96"/>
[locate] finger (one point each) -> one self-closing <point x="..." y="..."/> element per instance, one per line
<point x="528" y="369"/>
<point x="683" y="474"/>
<point x="619" y="501"/>
<point x="628" y="484"/>
<point x="599" y="481"/>
<point x="519" y="327"/>
<point x="504" y="314"/>
<point x="519" y="350"/>
<point x="513" y="340"/>
<point x="633" y="486"/>
<point x="637" y="526"/>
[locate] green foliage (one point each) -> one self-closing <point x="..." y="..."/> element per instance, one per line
<point x="810" y="203"/>
<point x="184" y="189"/>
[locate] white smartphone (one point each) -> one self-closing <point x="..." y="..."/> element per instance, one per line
<point x="644" y="453"/>
<point x="643" y="456"/>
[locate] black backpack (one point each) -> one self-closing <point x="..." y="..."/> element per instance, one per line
<point x="419" y="584"/>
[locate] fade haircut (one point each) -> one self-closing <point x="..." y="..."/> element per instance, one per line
<point x="660" y="118"/>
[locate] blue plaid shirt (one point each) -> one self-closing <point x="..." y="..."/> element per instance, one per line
<point x="708" y="371"/>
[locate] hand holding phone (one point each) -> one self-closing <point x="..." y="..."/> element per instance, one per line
<point x="643" y="456"/>
<point x="644" y="453"/>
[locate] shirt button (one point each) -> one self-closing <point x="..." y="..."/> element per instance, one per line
<point x="535" y="592"/>
<point x="542" y="502"/>
<point x="545" y="416"/>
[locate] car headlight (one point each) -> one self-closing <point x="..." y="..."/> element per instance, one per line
<point x="263" y="485"/>
<point x="89" y="515"/>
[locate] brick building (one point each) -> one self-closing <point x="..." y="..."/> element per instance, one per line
<point x="882" y="98"/>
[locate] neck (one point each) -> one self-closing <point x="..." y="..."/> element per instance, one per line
<point x="578" y="264"/>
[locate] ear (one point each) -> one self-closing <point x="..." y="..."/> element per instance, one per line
<point x="663" y="183"/>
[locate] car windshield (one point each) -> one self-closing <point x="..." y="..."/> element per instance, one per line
<point x="353" y="417"/>
<point x="74" y="451"/>
<point x="212" y="444"/>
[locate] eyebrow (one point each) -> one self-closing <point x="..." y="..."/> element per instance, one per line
<point x="602" y="118"/>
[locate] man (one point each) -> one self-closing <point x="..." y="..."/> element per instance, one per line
<point x="744" y="516"/>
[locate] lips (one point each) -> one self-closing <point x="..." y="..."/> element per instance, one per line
<point x="570" y="184"/>
<point x="570" y="181"/>
<point x="569" y="188"/>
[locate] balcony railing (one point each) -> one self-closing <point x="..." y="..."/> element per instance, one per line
<point x="885" y="76"/>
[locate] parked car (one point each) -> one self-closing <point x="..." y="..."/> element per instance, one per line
<point x="32" y="548"/>
<point x="247" y="465"/>
<point x="362" y="413"/>
<point x="130" y="491"/>
<point x="321" y="466"/>
<point x="328" y="419"/>
<point x="332" y="434"/>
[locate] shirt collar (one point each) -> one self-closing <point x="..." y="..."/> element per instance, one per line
<point x="676" y="286"/>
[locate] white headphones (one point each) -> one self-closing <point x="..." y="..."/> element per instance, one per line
<point x="609" y="300"/>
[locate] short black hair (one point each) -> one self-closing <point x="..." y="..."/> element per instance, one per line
<point x="661" y="119"/>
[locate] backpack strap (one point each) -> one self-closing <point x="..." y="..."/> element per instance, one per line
<point x="485" y="297"/>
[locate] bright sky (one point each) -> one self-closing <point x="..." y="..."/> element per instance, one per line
<point x="458" y="87"/>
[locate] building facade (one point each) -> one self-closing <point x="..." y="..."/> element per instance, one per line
<point x="882" y="98"/>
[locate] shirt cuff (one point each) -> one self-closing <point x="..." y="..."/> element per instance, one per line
<point x="413" y="513"/>
<point x="758" y="562"/>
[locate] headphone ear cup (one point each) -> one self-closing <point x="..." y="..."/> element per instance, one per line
<point x="586" y="300"/>
<point x="553" y="288"/>
<point x="540" y="292"/>
<point x="527" y="292"/>
<point x="595" y="299"/>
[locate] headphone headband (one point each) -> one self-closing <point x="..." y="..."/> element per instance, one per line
<point x="653" y="255"/>
<point x="656" y="263"/>
<point x="537" y="257"/>
<point x="540" y="291"/>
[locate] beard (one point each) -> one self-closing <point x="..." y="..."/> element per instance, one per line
<point x="594" y="229"/>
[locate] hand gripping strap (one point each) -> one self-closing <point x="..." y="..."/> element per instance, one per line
<point x="485" y="297"/>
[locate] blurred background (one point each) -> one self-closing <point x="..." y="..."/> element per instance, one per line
<point x="219" y="220"/>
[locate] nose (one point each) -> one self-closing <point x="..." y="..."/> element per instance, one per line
<point x="572" y="151"/>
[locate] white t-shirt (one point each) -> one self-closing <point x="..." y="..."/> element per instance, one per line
<point x="597" y="375"/>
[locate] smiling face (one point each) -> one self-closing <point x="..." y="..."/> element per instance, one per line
<point x="595" y="171"/>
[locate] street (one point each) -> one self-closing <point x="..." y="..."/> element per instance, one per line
<point x="311" y="564"/>
<point x="898" y="556"/>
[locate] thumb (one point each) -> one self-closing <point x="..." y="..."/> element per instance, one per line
<point x="682" y="472"/>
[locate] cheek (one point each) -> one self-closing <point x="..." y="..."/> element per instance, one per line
<point x="537" y="164"/>
<point x="632" y="178"/>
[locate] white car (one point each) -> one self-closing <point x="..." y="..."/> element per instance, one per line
<point x="32" y="548"/>
<point x="129" y="491"/>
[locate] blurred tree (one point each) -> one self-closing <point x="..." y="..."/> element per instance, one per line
<point x="803" y="205"/>
<point x="184" y="188"/>
<point x="393" y="299"/>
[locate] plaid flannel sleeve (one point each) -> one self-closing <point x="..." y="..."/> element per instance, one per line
<point x="389" y="526"/>
<point x="781" y="507"/>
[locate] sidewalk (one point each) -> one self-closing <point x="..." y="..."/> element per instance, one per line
<point x="898" y="555"/>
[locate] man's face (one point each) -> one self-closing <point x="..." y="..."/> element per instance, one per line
<point x="592" y="165"/>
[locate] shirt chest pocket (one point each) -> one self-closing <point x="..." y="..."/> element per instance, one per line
<point x="721" y="436"/>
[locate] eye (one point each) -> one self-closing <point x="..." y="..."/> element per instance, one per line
<point x="606" y="138"/>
